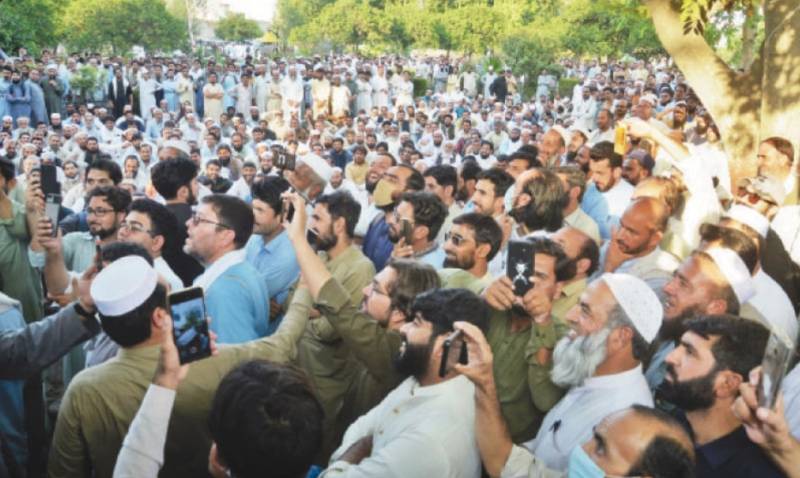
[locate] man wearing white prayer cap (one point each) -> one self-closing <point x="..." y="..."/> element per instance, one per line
<point x="101" y="401"/>
<point x="599" y="360"/>
<point x="310" y="176"/>
<point x="712" y="282"/>
<point x="770" y="301"/>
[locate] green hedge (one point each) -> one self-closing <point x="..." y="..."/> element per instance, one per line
<point x="420" y="86"/>
<point x="566" y="85"/>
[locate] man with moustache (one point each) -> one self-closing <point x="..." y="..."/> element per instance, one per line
<point x="425" y="426"/>
<point x="608" y="194"/>
<point x="424" y="213"/>
<point x="472" y="242"/>
<point x="704" y="372"/>
<point x="599" y="360"/>
<point x="321" y="351"/>
<point x="634" y="245"/>
<point x="236" y="296"/>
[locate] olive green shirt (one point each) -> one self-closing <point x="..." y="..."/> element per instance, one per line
<point x="101" y="402"/>
<point x="453" y="278"/>
<point x="524" y="387"/>
<point x="569" y="297"/>
<point x="372" y="348"/>
<point x="321" y="351"/>
<point x="20" y="281"/>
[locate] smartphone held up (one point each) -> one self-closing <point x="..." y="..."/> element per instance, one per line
<point x="189" y="324"/>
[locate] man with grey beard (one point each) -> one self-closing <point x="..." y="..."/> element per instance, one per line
<point x="599" y="360"/>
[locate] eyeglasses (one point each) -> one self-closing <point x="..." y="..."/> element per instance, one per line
<point x="99" y="212"/>
<point x="134" y="227"/>
<point x="456" y="239"/>
<point x="196" y="220"/>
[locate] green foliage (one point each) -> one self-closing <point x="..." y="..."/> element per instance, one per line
<point x="420" y="86"/>
<point x="118" y="25"/>
<point x="594" y="31"/>
<point x="695" y="13"/>
<point x="237" y="27"/>
<point x="86" y="80"/>
<point x="20" y="27"/>
<point x="566" y="85"/>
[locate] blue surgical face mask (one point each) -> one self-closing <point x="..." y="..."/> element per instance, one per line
<point x="581" y="466"/>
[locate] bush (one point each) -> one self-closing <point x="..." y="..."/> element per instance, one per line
<point x="566" y="85"/>
<point x="420" y="86"/>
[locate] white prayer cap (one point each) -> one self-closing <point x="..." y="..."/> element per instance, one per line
<point x="179" y="145"/>
<point x="565" y="135"/>
<point x="52" y="66"/>
<point x="749" y="217"/>
<point x="639" y="302"/>
<point x="123" y="286"/>
<point x="735" y="272"/>
<point x="320" y="167"/>
<point x="649" y="98"/>
<point x="581" y="130"/>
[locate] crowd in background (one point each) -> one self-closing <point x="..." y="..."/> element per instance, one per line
<point x="344" y="216"/>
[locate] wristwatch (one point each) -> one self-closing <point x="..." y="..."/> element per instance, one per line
<point x="83" y="312"/>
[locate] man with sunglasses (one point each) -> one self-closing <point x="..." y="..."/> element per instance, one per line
<point x="472" y="242"/>
<point x="236" y="295"/>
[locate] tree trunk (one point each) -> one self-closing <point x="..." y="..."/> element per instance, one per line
<point x="749" y="27"/>
<point x="747" y="107"/>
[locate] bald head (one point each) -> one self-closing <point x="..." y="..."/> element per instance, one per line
<point x="649" y="210"/>
<point x="641" y="441"/>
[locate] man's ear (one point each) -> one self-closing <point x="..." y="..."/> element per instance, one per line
<point x="216" y="466"/>
<point x="617" y="172"/>
<point x="483" y="250"/>
<point x="727" y="384"/>
<point x="159" y="318"/>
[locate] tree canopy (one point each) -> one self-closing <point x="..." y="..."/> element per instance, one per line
<point x="117" y="25"/>
<point x="237" y="27"/>
<point x="18" y="28"/>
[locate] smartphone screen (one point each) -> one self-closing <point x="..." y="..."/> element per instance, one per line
<point x="407" y="231"/>
<point x="189" y="325"/>
<point x="50" y="184"/>
<point x="777" y="356"/>
<point x="51" y="208"/>
<point x="519" y="265"/>
<point x="454" y="350"/>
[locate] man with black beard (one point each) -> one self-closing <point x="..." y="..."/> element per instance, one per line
<point x="714" y="357"/>
<point x="425" y="426"/>
<point x="710" y="282"/>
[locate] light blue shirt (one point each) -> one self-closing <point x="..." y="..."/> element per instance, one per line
<point x="276" y="262"/>
<point x="12" y="420"/>
<point x="238" y="304"/>
<point x="435" y="257"/>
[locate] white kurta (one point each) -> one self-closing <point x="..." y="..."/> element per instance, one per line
<point x="380" y="91"/>
<point x="416" y="431"/>
<point x="364" y="95"/>
<point x="147" y="96"/>
<point x="340" y="101"/>
<point x="212" y="106"/>
<point x="405" y="94"/>
<point x="292" y="96"/>
<point x="570" y="422"/>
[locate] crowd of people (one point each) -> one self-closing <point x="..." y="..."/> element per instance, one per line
<point x="356" y="241"/>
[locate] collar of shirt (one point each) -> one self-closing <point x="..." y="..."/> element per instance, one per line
<point x="348" y="255"/>
<point x="616" y="380"/>
<point x="573" y="288"/>
<point x="724" y="448"/>
<point x="139" y="354"/>
<point x="216" y="269"/>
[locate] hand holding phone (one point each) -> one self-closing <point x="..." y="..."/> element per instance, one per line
<point x="519" y="265"/>
<point x="777" y="357"/>
<point x="454" y="350"/>
<point x="189" y="324"/>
